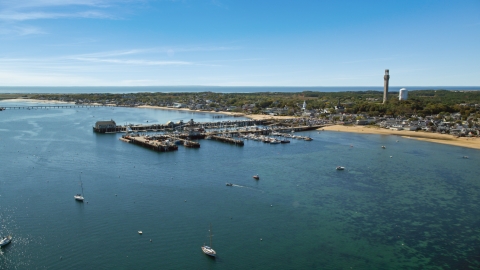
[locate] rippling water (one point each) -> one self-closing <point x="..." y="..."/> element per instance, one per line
<point x="413" y="205"/>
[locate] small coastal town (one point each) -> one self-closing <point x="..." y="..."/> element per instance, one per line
<point x="442" y="112"/>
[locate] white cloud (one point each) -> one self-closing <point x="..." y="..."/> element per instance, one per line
<point x="24" y="16"/>
<point x="133" y="61"/>
<point x="20" y="30"/>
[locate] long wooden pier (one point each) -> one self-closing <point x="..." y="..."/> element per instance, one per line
<point x="36" y="107"/>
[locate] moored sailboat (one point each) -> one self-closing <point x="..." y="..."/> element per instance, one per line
<point x="79" y="196"/>
<point x="208" y="249"/>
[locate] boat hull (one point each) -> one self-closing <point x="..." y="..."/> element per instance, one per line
<point x="5" y="241"/>
<point x="209" y="251"/>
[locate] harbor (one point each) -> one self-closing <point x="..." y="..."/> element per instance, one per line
<point x="167" y="137"/>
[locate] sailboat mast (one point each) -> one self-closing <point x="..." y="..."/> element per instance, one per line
<point x="210" y="235"/>
<point x="81" y="184"/>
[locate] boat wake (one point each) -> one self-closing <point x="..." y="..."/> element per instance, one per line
<point x="240" y="186"/>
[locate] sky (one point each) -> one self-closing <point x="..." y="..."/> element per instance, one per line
<point x="239" y="42"/>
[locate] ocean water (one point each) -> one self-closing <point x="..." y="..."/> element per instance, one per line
<point x="217" y="89"/>
<point x="413" y="205"/>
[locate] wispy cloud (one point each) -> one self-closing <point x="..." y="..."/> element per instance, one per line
<point x="369" y="60"/>
<point x="133" y="61"/>
<point x="20" y="30"/>
<point x="14" y="12"/>
<point x="25" y="4"/>
<point x="24" y="16"/>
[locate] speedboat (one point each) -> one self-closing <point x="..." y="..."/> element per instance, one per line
<point x="5" y="241"/>
<point x="383" y="146"/>
<point x="340" y="168"/>
<point x="229" y="184"/>
<point x="256" y="177"/>
<point x="307" y="138"/>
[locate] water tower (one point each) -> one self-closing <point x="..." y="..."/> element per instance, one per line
<point x="403" y="94"/>
<point x="385" y="85"/>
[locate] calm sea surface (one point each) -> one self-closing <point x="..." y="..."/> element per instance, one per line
<point x="218" y="89"/>
<point x="413" y="205"/>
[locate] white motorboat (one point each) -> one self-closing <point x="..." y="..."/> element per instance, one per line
<point x="208" y="249"/>
<point x="5" y="241"/>
<point x="340" y="168"/>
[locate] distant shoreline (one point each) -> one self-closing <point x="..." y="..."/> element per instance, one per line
<point x="468" y="142"/>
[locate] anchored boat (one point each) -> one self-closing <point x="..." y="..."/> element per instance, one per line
<point x="208" y="249"/>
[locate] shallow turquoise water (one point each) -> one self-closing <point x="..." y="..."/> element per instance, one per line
<point x="414" y="210"/>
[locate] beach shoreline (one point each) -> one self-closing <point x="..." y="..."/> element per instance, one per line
<point x="468" y="142"/>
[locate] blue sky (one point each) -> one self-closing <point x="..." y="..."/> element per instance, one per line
<point x="239" y="43"/>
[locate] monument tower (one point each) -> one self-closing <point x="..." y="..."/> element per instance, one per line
<point x="385" y="85"/>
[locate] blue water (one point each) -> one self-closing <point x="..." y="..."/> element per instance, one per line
<point x="413" y="205"/>
<point x="217" y="89"/>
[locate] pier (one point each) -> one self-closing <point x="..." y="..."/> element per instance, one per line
<point x="226" y="139"/>
<point x="37" y="107"/>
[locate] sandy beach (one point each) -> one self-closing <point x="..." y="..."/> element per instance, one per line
<point x="472" y="142"/>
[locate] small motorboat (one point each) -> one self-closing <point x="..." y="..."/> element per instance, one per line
<point x="5" y="241"/>
<point x="383" y="146"/>
<point x="140" y="232"/>
<point x="340" y="168"/>
<point x="229" y="184"/>
<point x="308" y="139"/>
<point x="256" y="177"/>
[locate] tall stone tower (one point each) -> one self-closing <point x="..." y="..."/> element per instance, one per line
<point x="385" y="85"/>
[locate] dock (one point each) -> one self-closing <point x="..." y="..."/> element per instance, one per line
<point x="153" y="143"/>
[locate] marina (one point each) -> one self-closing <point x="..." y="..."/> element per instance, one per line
<point x="169" y="139"/>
